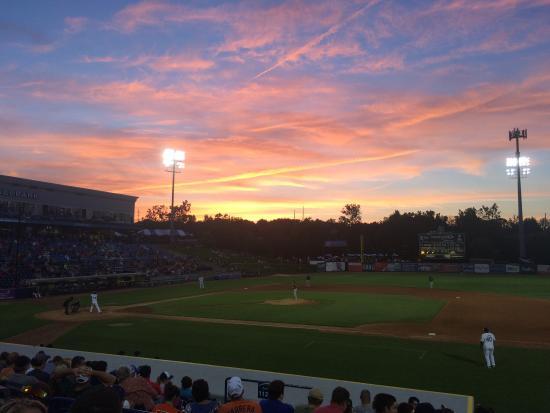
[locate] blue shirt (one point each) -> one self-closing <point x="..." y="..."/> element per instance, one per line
<point x="275" y="406"/>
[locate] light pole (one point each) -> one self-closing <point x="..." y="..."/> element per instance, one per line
<point x="173" y="160"/>
<point x="518" y="167"/>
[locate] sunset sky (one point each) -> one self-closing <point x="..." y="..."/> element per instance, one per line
<point x="390" y="104"/>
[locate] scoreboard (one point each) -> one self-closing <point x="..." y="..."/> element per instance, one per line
<point x="438" y="245"/>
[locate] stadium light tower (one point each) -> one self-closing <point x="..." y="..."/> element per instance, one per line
<point x="173" y="160"/>
<point x="518" y="167"/>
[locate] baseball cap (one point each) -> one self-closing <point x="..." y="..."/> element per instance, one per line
<point x="167" y="376"/>
<point x="235" y="387"/>
<point x="316" y="393"/>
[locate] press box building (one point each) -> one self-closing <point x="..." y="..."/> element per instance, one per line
<point x="47" y="202"/>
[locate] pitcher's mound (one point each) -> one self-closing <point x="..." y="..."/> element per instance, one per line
<point x="290" y="301"/>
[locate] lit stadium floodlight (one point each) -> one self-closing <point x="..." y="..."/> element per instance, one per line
<point x="517" y="168"/>
<point x="173" y="160"/>
<point x="524" y="166"/>
<point x="523" y="161"/>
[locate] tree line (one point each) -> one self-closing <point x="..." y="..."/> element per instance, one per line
<point x="487" y="234"/>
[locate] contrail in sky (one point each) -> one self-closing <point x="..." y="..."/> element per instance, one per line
<point x="276" y="171"/>
<point x="315" y="41"/>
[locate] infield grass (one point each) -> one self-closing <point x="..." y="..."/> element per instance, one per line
<point x="16" y="318"/>
<point x="520" y="382"/>
<point x="329" y="309"/>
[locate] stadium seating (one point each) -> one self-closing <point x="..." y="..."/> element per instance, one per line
<point x="54" y="252"/>
<point x="58" y="402"/>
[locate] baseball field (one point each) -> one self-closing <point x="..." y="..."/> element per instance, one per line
<point x="385" y="328"/>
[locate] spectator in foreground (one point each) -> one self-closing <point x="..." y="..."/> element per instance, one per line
<point x="19" y="377"/>
<point x="413" y="401"/>
<point x="139" y="392"/>
<point x="424" y="408"/>
<point x="236" y="403"/>
<point x="170" y="393"/>
<point x="365" y="406"/>
<point x="201" y="397"/>
<point x="314" y="400"/>
<point x="23" y="406"/>
<point x="275" y="395"/>
<point x="339" y="402"/>
<point x="186" y="391"/>
<point x="384" y="403"/>
<point x="405" y="408"/>
<point x="37" y="370"/>
<point x="9" y="363"/>
<point x="145" y="372"/>
<point x="99" y="399"/>
<point x="163" y="379"/>
<point x="74" y="381"/>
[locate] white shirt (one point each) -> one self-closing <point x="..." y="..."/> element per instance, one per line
<point x="94" y="298"/>
<point x="488" y="340"/>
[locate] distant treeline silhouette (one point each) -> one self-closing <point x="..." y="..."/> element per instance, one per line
<point x="488" y="235"/>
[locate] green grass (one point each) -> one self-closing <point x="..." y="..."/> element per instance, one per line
<point x="147" y="294"/>
<point x="524" y="285"/>
<point x="520" y="382"/>
<point x="18" y="317"/>
<point x="536" y="286"/>
<point x="331" y="309"/>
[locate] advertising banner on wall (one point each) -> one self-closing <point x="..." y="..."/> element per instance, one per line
<point x="482" y="268"/>
<point x="394" y="267"/>
<point x="468" y="268"/>
<point x="380" y="266"/>
<point x="446" y="267"/>
<point x="355" y="267"/>
<point x="425" y="267"/>
<point x="512" y="268"/>
<point x="543" y="269"/>
<point x="409" y="266"/>
<point x="335" y="266"/>
<point x="498" y="268"/>
<point x="7" y="293"/>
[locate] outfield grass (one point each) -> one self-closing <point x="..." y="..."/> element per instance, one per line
<point x="536" y="286"/>
<point x="16" y="318"/>
<point x="524" y="285"/>
<point x="520" y="382"/>
<point x="330" y="309"/>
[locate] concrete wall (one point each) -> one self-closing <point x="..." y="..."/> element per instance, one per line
<point x="216" y="375"/>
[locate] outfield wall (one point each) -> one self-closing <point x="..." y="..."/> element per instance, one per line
<point x="382" y="266"/>
<point x="216" y="376"/>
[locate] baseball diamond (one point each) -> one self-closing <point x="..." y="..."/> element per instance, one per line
<point x="359" y="316"/>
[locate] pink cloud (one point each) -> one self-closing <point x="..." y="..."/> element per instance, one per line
<point x="75" y="24"/>
<point x="178" y="63"/>
<point x="151" y="13"/>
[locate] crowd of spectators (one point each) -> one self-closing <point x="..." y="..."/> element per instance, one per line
<point x="51" y="252"/>
<point x="44" y="384"/>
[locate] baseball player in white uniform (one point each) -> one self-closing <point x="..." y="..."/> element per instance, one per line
<point x="295" y="290"/>
<point x="93" y="296"/>
<point x="488" y="345"/>
<point x="201" y="282"/>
